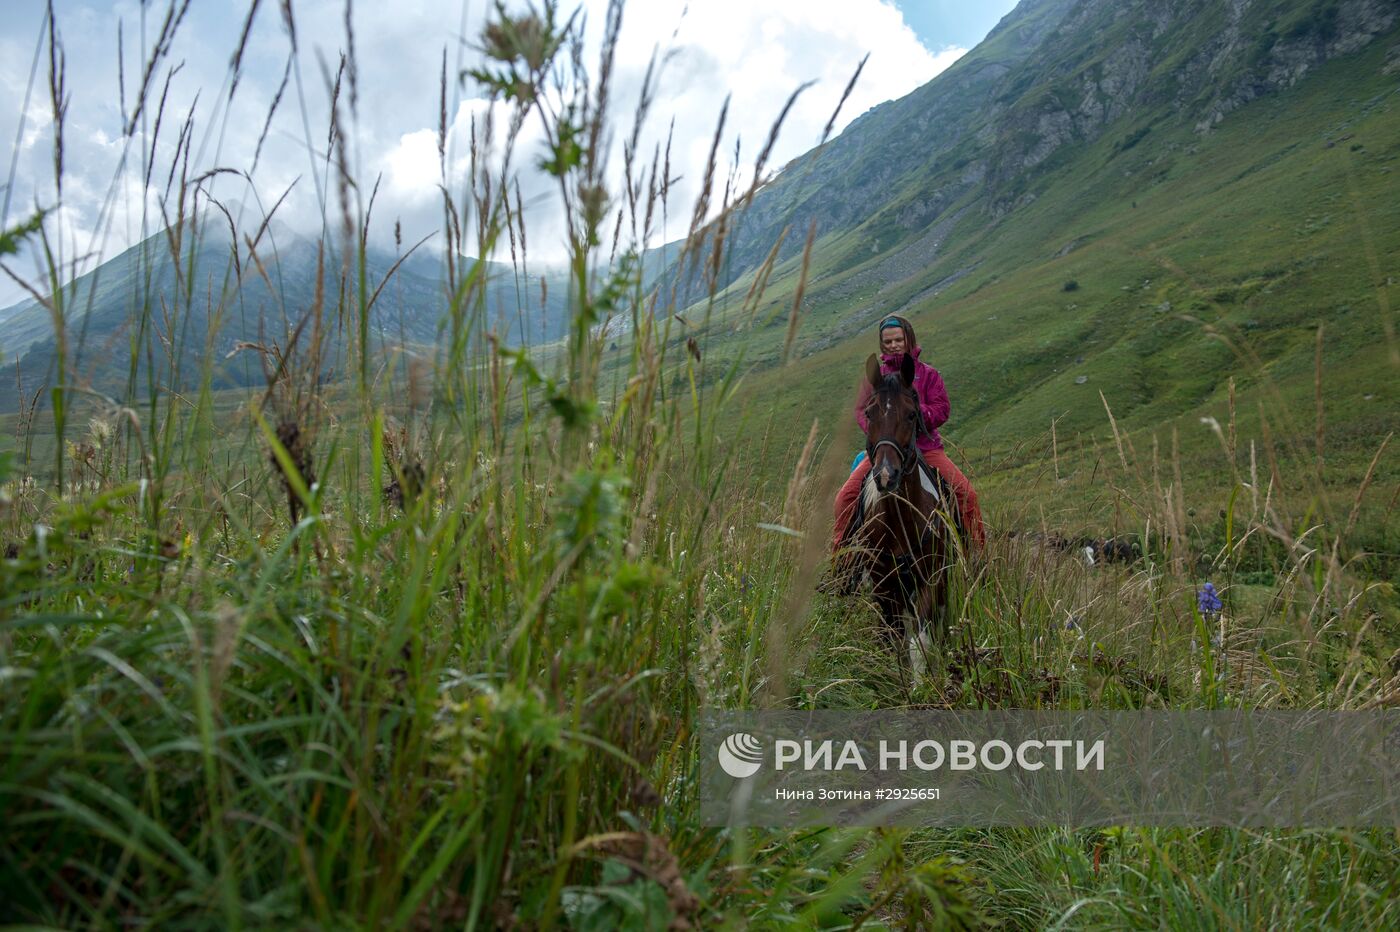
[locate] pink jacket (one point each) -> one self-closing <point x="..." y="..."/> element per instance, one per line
<point x="933" y="398"/>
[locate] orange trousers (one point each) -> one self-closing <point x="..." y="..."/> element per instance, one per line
<point x="968" y="509"/>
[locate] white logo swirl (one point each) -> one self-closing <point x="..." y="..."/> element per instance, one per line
<point x="740" y="755"/>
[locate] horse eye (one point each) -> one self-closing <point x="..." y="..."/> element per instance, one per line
<point x="911" y="414"/>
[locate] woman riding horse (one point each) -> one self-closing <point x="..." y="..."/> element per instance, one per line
<point x="897" y="339"/>
<point x="906" y="535"/>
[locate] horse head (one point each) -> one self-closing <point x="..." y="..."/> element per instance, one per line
<point x="893" y="418"/>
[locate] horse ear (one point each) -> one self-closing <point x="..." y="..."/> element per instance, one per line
<point x="872" y="370"/>
<point x="906" y="369"/>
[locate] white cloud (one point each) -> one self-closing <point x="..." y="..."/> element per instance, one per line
<point x="413" y="169"/>
<point x="755" y="51"/>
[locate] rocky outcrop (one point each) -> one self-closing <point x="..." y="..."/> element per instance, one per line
<point x="1278" y="56"/>
<point x="1109" y="60"/>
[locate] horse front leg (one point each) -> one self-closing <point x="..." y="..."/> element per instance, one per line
<point x="933" y="599"/>
<point x="928" y="626"/>
<point x="891" y="636"/>
<point x="923" y="647"/>
<point x="891" y="624"/>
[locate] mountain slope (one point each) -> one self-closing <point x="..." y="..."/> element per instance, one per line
<point x="136" y="312"/>
<point x="1198" y="228"/>
<point x="1054" y="74"/>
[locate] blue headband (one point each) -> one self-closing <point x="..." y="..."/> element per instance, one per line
<point x="892" y="322"/>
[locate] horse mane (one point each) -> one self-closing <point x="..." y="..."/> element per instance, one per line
<point x="893" y="381"/>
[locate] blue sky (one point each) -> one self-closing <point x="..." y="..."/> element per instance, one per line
<point x="755" y="52"/>
<point x="961" y="23"/>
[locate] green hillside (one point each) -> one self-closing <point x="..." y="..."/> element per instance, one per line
<point x="1152" y="267"/>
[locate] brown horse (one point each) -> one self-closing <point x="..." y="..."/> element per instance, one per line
<point x="906" y="531"/>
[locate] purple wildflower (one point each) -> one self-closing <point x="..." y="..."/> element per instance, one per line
<point x="1207" y="600"/>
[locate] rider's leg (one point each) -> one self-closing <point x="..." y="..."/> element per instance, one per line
<point x="846" y="502"/>
<point x="968" y="509"/>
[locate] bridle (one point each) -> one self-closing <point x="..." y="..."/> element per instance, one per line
<point x="909" y="454"/>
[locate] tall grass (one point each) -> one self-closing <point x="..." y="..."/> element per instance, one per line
<point x="419" y="643"/>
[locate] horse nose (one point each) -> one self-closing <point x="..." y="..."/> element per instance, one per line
<point x="883" y="478"/>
